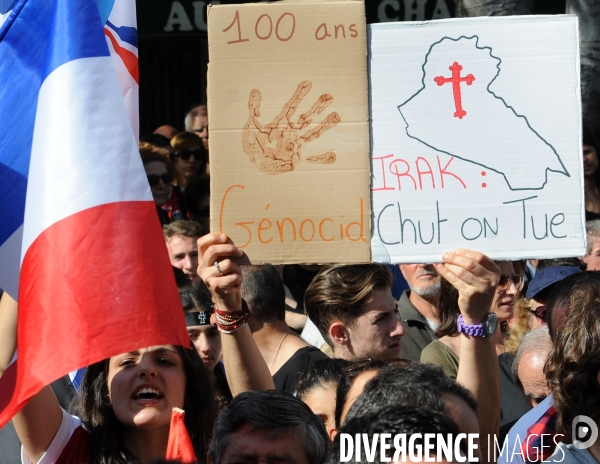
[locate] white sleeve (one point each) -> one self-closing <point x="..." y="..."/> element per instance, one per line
<point x="59" y="442"/>
<point x="310" y="334"/>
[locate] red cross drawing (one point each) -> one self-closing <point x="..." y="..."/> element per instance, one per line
<point x="456" y="80"/>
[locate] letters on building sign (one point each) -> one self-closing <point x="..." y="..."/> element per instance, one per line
<point x="190" y="16"/>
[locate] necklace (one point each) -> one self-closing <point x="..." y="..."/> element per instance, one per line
<point x="278" y="348"/>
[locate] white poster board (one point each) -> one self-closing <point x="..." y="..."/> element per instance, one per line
<point x="476" y="138"/>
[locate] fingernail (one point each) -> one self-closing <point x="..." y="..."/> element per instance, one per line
<point x="445" y="256"/>
<point x="222" y="237"/>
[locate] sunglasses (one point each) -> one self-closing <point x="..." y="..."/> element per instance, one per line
<point x="153" y="179"/>
<point x="185" y="154"/>
<point x="539" y="312"/>
<point x="517" y="279"/>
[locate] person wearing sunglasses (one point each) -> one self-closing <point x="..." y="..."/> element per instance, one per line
<point x="531" y="311"/>
<point x="541" y="285"/>
<point x="510" y="285"/>
<point x="445" y="351"/>
<point x="170" y="200"/>
<point x="160" y="174"/>
<point x="189" y="157"/>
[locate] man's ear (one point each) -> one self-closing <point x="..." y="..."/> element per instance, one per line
<point x="332" y="432"/>
<point x="339" y="333"/>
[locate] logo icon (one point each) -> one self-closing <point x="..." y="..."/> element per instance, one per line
<point x="585" y="432"/>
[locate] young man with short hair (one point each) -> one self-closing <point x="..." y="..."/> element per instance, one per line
<point x="353" y="308"/>
<point x="181" y="238"/>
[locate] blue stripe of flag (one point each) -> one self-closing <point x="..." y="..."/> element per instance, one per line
<point x="6" y="5"/>
<point x="126" y="33"/>
<point x="37" y="38"/>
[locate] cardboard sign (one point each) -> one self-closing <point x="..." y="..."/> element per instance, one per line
<point x="289" y="140"/>
<point x="476" y="138"/>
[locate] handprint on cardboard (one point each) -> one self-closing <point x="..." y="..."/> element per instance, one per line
<point x="276" y="147"/>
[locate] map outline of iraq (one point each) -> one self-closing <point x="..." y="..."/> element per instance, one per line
<point x="457" y="71"/>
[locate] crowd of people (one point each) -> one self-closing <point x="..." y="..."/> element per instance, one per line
<point x="284" y="361"/>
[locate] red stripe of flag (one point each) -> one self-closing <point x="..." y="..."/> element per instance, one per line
<point x="129" y="59"/>
<point x="89" y="286"/>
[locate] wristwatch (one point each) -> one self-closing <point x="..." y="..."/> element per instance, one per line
<point x="487" y="328"/>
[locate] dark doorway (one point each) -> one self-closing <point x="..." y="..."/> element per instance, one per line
<point x="172" y="79"/>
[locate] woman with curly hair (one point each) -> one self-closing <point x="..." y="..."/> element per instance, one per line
<point x="573" y="372"/>
<point x="524" y="322"/>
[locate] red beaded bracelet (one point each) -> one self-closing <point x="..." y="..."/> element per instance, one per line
<point x="231" y="321"/>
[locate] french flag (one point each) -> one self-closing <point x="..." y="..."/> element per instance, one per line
<point x="80" y="240"/>
<point x="120" y="30"/>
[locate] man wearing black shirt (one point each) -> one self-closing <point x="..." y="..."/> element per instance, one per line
<point x="285" y="353"/>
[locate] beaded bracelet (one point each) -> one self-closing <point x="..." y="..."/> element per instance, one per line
<point x="231" y="321"/>
<point x="233" y="326"/>
<point x="226" y="323"/>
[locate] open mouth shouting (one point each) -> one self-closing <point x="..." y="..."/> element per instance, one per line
<point x="147" y="395"/>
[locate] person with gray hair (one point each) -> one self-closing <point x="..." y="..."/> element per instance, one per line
<point x="592" y="257"/>
<point x="268" y="426"/>
<point x="196" y="121"/>
<point x="528" y="365"/>
<point x="418" y="308"/>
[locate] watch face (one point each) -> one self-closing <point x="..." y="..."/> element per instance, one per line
<point x="490" y="323"/>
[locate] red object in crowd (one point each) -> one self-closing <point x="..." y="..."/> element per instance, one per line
<point x="179" y="446"/>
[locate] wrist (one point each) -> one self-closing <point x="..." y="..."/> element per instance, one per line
<point x="473" y="320"/>
<point x="235" y="308"/>
<point x="229" y="322"/>
<point x="231" y="305"/>
<point x="482" y="328"/>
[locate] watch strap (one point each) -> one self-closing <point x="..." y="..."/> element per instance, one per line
<point x="475" y="330"/>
